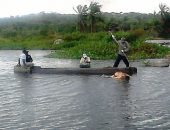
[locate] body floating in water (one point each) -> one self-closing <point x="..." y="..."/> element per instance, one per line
<point x="119" y="76"/>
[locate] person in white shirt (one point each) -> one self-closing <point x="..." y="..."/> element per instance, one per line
<point x="85" y="61"/>
<point x="22" y="61"/>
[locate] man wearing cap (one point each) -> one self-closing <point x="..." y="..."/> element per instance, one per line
<point x="123" y="48"/>
<point x="85" y="61"/>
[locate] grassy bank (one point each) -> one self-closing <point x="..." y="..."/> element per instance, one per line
<point x="96" y="45"/>
<point x="32" y="43"/>
<point x="101" y="46"/>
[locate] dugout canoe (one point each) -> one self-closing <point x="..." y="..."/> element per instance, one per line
<point x="156" y="63"/>
<point x="85" y="71"/>
<point x="19" y="69"/>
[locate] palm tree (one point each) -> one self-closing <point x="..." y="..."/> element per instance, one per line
<point x="164" y="11"/>
<point x="82" y="17"/>
<point x="165" y="19"/>
<point x="94" y="13"/>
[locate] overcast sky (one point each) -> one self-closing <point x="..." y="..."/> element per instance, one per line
<point x="22" y="7"/>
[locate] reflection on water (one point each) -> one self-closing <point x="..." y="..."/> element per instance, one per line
<point x="64" y="102"/>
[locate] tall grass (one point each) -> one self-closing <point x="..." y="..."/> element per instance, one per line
<point x="96" y="45"/>
<point x="101" y="46"/>
<point x="29" y="43"/>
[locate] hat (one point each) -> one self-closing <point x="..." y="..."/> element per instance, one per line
<point x="24" y="51"/>
<point x="122" y="39"/>
<point x="84" y="55"/>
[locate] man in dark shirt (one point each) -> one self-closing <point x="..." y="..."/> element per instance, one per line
<point x="28" y="57"/>
<point x="123" y="48"/>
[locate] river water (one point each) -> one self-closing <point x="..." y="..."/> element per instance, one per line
<point x="81" y="102"/>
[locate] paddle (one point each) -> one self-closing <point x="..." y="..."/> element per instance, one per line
<point x="112" y="36"/>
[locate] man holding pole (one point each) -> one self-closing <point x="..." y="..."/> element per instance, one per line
<point x="123" y="48"/>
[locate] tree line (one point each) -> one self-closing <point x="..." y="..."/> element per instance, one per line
<point x="87" y="19"/>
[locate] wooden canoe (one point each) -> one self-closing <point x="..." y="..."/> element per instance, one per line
<point x="85" y="71"/>
<point x="85" y="66"/>
<point x="20" y="69"/>
<point x="156" y="63"/>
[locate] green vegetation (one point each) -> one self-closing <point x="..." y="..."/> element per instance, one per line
<point x="100" y="46"/>
<point x="87" y="32"/>
<point x="29" y="43"/>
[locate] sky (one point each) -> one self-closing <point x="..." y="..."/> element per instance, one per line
<point x="23" y="7"/>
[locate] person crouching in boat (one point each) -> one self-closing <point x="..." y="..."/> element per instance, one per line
<point x="85" y="61"/>
<point x="120" y="76"/>
<point x="22" y="61"/>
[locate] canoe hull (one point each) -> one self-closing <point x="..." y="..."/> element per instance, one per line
<point x="19" y="69"/>
<point x="156" y="63"/>
<point x="85" y="66"/>
<point x="85" y="71"/>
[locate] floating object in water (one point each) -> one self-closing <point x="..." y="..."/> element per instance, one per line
<point x="156" y="63"/>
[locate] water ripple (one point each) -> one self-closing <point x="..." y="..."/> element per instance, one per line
<point x="65" y="102"/>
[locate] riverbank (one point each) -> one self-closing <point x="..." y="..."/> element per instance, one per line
<point x="99" y="46"/>
<point x="30" y="43"/>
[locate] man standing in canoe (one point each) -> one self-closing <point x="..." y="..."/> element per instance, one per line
<point x="123" y="48"/>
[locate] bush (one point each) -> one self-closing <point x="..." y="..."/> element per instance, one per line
<point x="73" y="36"/>
<point x="130" y="35"/>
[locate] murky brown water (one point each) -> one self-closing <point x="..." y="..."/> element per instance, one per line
<point x="78" y="102"/>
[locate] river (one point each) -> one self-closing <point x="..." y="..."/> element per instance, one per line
<point x="81" y="102"/>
